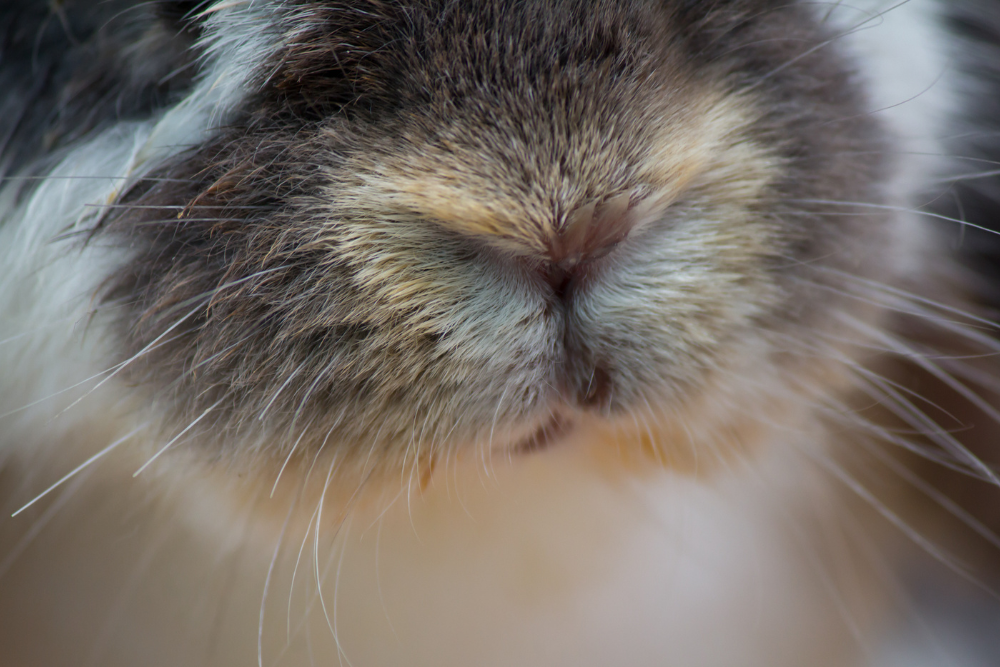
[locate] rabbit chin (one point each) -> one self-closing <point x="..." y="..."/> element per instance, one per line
<point x="573" y="555"/>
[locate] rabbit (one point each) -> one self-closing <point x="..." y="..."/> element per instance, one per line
<point x="482" y="332"/>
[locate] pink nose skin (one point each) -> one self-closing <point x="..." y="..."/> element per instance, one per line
<point x="588" y="233"/>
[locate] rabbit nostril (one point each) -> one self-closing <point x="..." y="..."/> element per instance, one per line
<point x="587" y="233"/>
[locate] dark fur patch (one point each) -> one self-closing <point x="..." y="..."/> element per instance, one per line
<point x="70" y="68"/>
<point x="977" y="199"/>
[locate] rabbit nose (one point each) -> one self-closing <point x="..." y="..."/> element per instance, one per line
<point x="587" y="233"/>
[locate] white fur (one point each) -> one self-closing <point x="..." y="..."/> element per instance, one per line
<point x="902" y="53"/>
<point x="901" y="50"/>
<point x="239" y="37"/>
<point x="48" y="283"/>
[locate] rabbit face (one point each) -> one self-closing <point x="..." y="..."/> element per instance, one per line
<point x="441" y="225"/>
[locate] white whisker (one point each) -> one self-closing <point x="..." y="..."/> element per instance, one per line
<point x="75" y="471"/>
<point x="177" y="437"/>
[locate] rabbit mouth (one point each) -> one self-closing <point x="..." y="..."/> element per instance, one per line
<point x="553" y="430"/>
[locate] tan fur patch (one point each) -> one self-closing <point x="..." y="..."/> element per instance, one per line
<point x="453" y="189"/>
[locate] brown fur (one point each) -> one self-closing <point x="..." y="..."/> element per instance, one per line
<point x="333" y="246"/>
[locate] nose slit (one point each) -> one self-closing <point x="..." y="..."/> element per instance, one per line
<point x="559" y="278"/>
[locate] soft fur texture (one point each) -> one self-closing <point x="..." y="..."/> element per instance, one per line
<point x="487" y="332"/>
